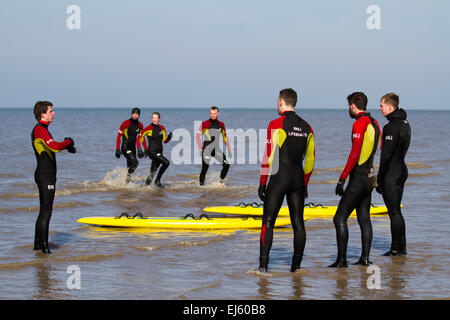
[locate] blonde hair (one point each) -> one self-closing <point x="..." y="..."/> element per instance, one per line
<point x="392" y="99"/>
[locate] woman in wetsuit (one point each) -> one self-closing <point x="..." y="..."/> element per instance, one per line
<point x="393" y="171"/>
<point x="290" y="139"/>
<point x="358" y="193"/>
<point x="156" y="135"/>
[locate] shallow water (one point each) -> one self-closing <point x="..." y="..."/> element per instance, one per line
<point x="163" y="264"/>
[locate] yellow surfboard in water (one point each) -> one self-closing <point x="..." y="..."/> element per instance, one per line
<point x="180" y="223"/>
<point x="308" y="213"/>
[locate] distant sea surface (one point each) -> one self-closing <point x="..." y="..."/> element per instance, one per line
<point x="167" y="264"/>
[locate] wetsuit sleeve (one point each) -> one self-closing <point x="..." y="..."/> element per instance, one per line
<point x="379" y="131"/>
<point x="390" y="140"/>
<point x="120" y="133"/>
<point x="141" y="138"/>
<point x="271" y="143"/>
<point x="44" y="136"/>
<point x="224" y="136"/>
<point x="357" y="141"/>
<point x="164" y="133"/>
<point x="310" y="156"/>
<point x="198" y="136"/>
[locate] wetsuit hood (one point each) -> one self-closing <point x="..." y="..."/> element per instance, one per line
<point x="397" y="114"/>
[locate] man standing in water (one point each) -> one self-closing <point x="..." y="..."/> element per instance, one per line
<point x="358" y="194"/>
<point x="45" y="175"/>
<point x="290" y="139"/>
<point x="156" y="134"/>
<point x="393" y="171"/>
<point x="211" y="130"/>
<point x="128" y="131"/>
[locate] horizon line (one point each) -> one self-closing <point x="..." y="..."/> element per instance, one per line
<point x="231" y="107"/>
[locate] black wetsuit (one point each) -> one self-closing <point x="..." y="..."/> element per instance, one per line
<point x="129" y="131"/>
<point x="45" y="177"/>
<point x="290" y="139"/>
<point x="212" y="129"/>
<point x="393" y="173"/>
<point x="358" y="193"/>
<point x="156" y="135"/>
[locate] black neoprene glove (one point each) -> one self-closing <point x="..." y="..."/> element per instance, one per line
<point x="117" y="153"/>
<point x="340" y="187"/>
<point x="140" y="154"/>
<point x="71" y="149"/>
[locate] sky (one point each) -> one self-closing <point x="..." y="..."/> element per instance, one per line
<point x="229" y="53"/>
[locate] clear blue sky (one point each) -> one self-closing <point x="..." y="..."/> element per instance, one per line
<point x="230" y="53"/>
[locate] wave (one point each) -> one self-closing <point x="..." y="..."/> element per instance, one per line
<point x="189" y="243"/>
<point x="426" y="174"/>
<point x="418" y="165"/>
<point x="212" y="285"/>
<point x="56" y="206"/>
<point x="38" y="262"/>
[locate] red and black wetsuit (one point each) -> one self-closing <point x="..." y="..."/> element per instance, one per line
<point x="129" y="131"/>
<point x="290" y="139"/>
<point x="45" y="177"/>
<point x="212" y="130"/>
<point x="156" y="135"/>
<point x="358" y="194"/>
<point x="393" y="173"/>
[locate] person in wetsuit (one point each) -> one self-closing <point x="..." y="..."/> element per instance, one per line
<point x="358" y="193"/>
<point x="211" y="129"/>
<point x="290" y="139"/>
<point x="156" y="135"/>
<point x="393" y="171"/>
<point x="128" y="132"/>
<point x="45" y="175"/>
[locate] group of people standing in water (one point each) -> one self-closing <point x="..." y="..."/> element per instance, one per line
<point x="290" y="140"/>
<point x="287" y="165"/>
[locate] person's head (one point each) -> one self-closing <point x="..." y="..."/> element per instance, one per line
<point x="155" y="117"/>
<point x="213" y="113"/>
<point x="287" y="99"/>
<point x="135" y="113"/>
<point x="388" y="103"/>
<point x="43" y="110"/>
<point x="357" y="102"/>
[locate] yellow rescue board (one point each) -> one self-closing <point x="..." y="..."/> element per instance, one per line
<point x="308" y="213"/>
<point x="180" y="223"/>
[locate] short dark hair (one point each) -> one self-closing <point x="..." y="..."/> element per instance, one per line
<point x="392" y="99"/>
<point x="289" y="96"/>
<point x="41" y="107"/>
<point x="157" y="113"/>
<point x="214" y="108"/>
<point x="359" y="99"/>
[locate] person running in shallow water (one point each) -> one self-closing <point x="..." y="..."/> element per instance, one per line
<point x="128" y="133"/>
<point x="45" y="175"/>
<point x="358" y="193"/>
<point x="211" y="130"/>
<point x="156" y="135"/>
<point x="290" y="139"/>
<point x="393" y="171"/>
